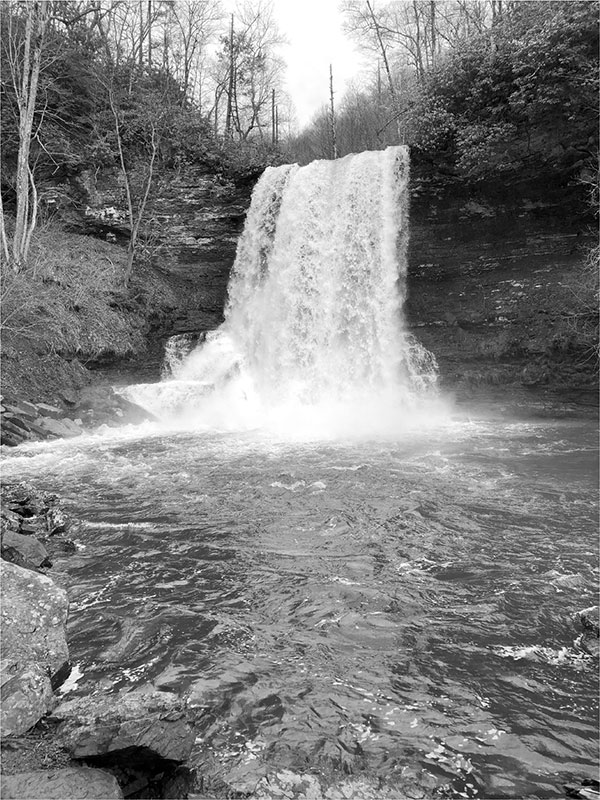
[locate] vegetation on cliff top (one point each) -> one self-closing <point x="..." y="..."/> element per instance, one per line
<point x="496" y="91"/>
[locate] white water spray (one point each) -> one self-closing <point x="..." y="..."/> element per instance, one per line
<point x="313" y="334"/>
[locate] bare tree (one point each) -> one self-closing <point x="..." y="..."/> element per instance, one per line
<point x="135" y="210"/>
<point x="334" y="150"/>
<point x="248" y="69"/>
<point x="189" y="28"/>
<point x="22" y="52"/>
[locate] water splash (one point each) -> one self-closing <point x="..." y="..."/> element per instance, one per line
<point x="314" y="336"/>
<point x="177" y="348"/>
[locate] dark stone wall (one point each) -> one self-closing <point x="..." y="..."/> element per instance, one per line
<point x="487" y="272"/>
<point x="493" y="282"/>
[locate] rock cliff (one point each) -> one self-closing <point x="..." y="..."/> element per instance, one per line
<point x="493" y="276"/>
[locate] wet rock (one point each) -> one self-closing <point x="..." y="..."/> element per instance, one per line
<point x="136" y="727"/>
<point x="590" y="619"/>
<point x="9" y="439"/>
<point x="25" y="551"/>
<point x="56" y="521"/>
<point x="589" y="640"/>
<point x="61" y="429"/>
<point x="131" y="412"/>
<point x="588" y="789"/>
<point x="142" y="737"/>
<point x="9" y="520"/>
<point x="100" y="405"/>
<point x="33" y="616"/>
<point x="26" y="693"/>
<point x="73" y="783"/>
<point x="16" y="426"/>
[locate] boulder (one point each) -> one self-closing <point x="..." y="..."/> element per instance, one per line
<point x="139" y="726"/>
<point x="132" y="413"/>
<point x="589" y="641"/>
<point x="16" y="425"/>
<point x="9" y="439"/>
<point x="71" y="783"/>
<point x="57" y="521"/>
<point x="590" y="619"/>
<point x="25" y="551"/>
<point x="33" y="616"/>
<point x="12" y="432"/>
<point x="9" y="520"/>
<point x="26" y="694"/>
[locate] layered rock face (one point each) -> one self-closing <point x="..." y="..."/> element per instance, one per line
<point x="190" y="233"/>
<point x="494" y="285"/>
<point x="491" y="284"/>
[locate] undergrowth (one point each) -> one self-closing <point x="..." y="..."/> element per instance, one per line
<point x="71" y="300"/>
<point x="577" y="327"/>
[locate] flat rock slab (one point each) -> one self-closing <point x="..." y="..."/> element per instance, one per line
<point x="72" y="783"/>
<point x="33" y="616"/>
<point x="145" y="724"/>
<point x="56" y="427"/>
<point x="47" y="410"/>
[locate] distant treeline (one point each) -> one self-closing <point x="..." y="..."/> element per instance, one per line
<point x="480" y="90"/>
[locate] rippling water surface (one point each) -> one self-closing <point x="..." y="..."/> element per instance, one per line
<point x="388" y="609"/>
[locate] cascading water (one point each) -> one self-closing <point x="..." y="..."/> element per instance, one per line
<point x="313" y="325"/>
<point x="177" y="348"/>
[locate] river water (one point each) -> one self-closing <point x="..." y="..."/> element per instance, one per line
<point x="397" y="609"/>
<point x="349" y="581"/>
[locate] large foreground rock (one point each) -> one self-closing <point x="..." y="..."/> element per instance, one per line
<point x="34" y="613"/>
<point x="34" y="647"/>
<point x="143" y="725"/>
<point x="73" y="783"/>
<point x="26" y="696"/>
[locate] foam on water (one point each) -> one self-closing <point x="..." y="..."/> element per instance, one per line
<point x="313" y="342"/>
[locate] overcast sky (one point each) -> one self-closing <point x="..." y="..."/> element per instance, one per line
<point x="314" y="31"/>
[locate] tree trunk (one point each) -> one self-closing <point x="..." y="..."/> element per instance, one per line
<point x="26" y="216"/>
<point x="149" y="33"/>
<point x="229" y="115"/>
<point x="334" y="150"/>
<point x="135" y="220"/>
<point x="433" y="33"/>
<point x="388" y="72"/>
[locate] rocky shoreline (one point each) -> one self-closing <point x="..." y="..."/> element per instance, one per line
<point x="70" y="415"/>
<point x="108" y="745"/>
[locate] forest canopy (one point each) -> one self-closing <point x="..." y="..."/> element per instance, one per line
<point x="482" y="90"/>
<point x="479" y="89"/>
<point x="135" y="86"/>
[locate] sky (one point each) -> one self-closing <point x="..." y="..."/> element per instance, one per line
<point x="314" y="31"/>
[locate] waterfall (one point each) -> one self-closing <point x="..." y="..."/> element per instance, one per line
<point x="314" y="317"/>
